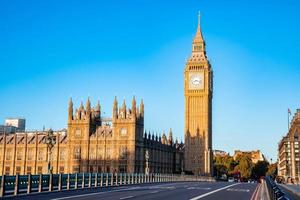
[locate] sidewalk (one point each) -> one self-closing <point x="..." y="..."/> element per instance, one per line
<point x="295" y="189"/>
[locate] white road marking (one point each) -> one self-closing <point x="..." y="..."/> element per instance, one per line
<point x="214" y="191"/>
<point x="238" y="190"/>
<point x="96" y="193"/>
<point x="126" y="197"/>
<point x="198" y="188"/>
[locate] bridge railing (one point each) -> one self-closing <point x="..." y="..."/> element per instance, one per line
<point x="274" y="191"/>
<point x="26" y="184"/>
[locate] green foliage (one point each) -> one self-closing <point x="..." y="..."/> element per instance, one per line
<point x="260" y="169"/>
<point x="226" y="165"/>
<point x="244" y="166"/>
<point x="223" y="165"/>
<point x="272" y="170"/>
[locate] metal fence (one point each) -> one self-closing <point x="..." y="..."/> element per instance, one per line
<point x="26" y="184"/>
<point x="274" y="191"/>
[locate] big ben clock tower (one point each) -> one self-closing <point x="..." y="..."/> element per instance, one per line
<point x="198" y="90"/>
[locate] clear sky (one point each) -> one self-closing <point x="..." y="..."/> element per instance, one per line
<point x="52" y="50"/>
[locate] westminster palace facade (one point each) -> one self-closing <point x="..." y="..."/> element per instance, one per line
<point x="93" y="144"/>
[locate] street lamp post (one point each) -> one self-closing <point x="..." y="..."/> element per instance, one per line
<point x="50" y="141"/>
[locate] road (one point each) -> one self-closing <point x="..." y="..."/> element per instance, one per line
<point x="164" y="191"/>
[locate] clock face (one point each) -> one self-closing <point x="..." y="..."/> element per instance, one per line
<point x="196" y="81"/>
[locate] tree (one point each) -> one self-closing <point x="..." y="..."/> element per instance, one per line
<point x="260" y="169"/>
<point x="272" y="170"/>
<point x="244" y="166"/>
<point x="224" y="165"/>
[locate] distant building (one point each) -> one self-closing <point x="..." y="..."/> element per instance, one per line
<point x="288" y="152"/>
<point x="7" y="129"/>
<point x="284" y="157"/>
<point x="19" y="123"/>
<point x="255" y="155"/>
<point x="220" y="153"/>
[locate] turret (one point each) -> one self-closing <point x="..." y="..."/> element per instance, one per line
<point x="123" y="110"/>
<point x="70" y="114"/>
<point x="115" y="108"/>
<point x="142" y="108"/>
<point x="88" y="108"/>
<point x="98" y="110"/>
<point x="170" y="140"/>
<point x="164" y="138"/>
<point x="133" y="107"/>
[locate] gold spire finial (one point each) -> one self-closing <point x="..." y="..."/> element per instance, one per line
<point x="199" y="16"/>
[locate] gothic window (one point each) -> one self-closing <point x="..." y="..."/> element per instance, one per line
<point x="77" y="132"/>
<point x="40" y="170"/>
<point x="100" y="153"/>
<point x="61" y="169"/>
<point x="77" y="153"/>
<point x="76" y="169"/>
<point x="18" y="170"/>
<point x="62" y="154"/>
<point x="123" y="132"/>
<point x="7" y="170"/>
<point x="19" y="154"/>
<point x="9" y="154"/>
<point x="30" y="153"/>
<point x="28" y="170"/>
<point x="92" y="154"/>
<point x="41" y="155"/>
<point x="123" y="152"/>
<point x="108" y="153"/>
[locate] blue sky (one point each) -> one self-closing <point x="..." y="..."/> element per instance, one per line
<point x="52" y="50"/>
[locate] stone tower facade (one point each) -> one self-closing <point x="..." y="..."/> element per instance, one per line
<point x="198" y="90"/>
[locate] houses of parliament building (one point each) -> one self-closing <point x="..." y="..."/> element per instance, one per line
<point x="92" y="143"/>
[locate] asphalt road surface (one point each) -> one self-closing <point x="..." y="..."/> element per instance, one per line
<point x="164" y="191"/>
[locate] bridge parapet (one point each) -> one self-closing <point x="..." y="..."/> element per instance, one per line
<point x="27" y="184"/>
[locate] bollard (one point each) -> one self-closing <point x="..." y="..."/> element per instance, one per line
<point x="50" y="182"/>
<point x="2" y="190"/>
<point x="16" y="191"/>
<point x="111" y="179"/>
<point x="139" y="178"/>
<point x="90" y="180"/>
<point x="106" y="180"/>
<point x="83" y="181"/>
<point x="68" y="182"/>
<point x="101" y="180"/>
<point x="59" y="182"/>
<point x="29" y="184"/>
<point x="116" y="179"/>
<point x="128" y="179"/>
<point x="96" y="180"/>
<point x="76" y="181"/>
<point x="41" y="183"/>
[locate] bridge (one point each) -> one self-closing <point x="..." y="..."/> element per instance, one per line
<point x="122" y="186"/>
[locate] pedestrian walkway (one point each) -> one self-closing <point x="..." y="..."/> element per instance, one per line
<point x="295" y="189"/>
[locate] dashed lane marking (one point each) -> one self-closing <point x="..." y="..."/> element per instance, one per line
<point x="214" y="191"/>
<point x="198" y="188"/>
<point x="238" y="190"/>
<point x="128" y="197"/>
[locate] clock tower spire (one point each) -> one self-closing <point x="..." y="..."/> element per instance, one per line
<point x="198" y="108"/>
